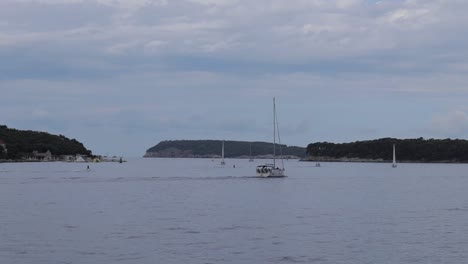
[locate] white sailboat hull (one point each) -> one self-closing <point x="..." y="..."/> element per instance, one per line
<point x="268" y="171"/>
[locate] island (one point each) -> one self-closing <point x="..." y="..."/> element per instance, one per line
<point x="212" y="149"/>
<point x="26" y="145"/>
<point x="381" y="150"/>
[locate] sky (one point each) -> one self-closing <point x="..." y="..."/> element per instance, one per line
<point x="122" y="75"/>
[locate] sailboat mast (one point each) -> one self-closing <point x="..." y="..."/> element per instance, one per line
<point x="222" y="152"/>
<point x="274" y="133"/>
<point x="279" y="142"/>
<point x="394" y="157"/>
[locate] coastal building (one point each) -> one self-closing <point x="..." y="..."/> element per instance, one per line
<point x="80" y="158"/>
<point x="3" y="146"/>
<point x="69" y="158"/>
<point x="46" y="156"/>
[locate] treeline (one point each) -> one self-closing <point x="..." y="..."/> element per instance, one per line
<point x="231" y="148"/>
<point x="416" y="150"/>
<point x="21" y="143"/>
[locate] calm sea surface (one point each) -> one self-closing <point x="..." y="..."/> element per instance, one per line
<point x="195" y="211"/>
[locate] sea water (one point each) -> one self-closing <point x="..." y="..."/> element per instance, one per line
<point x="197" y="211"/>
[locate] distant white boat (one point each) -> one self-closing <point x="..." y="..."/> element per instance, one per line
<point x="271" y="170"/>
<point x="222" y="155"/>
<point x="394" y="165"/>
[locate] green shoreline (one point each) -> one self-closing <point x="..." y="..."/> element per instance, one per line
<point x="358" y="160"/>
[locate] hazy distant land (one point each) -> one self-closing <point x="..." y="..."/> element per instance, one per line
<point x="212" y="149"/>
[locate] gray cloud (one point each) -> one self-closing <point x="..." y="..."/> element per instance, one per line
<point x="108" y="37"/>
<point x="450" y="124"/>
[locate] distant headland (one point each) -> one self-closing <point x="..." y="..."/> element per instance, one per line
<point x="212" y="149"/>
<point x="380" y="150"/>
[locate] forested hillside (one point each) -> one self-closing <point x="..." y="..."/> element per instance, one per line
<point x="411" y="150"/>
<point x="21" y="143"/>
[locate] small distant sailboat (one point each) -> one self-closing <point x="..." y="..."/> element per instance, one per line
<point x="271" y="170"/>
<point x="251" y="158"/>
<point x="394" y="165"/>
<point x="222" y="155"/>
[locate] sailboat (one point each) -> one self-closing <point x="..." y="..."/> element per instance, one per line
<point x="222" y="155"/>
<point x="251" y="159"/>
<point x="271" y="170"/>
<point x="394" y="165"/>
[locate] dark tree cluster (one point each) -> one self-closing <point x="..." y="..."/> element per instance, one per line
<point x="231" y="148"/>
<point x="21" y="143"/>
<point x="418" y="150"/>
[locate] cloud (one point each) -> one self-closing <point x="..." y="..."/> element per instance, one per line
<point x="121" y="48"/>
<point x="271" y="32"/>
<point x="40" y="113"/>
<point x="154" y="46"/>
<point x="407" y="15"/>
<point x="215" y="2"/>
<point x="453" y="124"/>
<point x="302" y="30"/>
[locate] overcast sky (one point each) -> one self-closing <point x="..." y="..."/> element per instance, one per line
<point x="122" y="75"/>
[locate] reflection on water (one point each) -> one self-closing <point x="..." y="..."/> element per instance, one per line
<point x="195" y="211"/>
